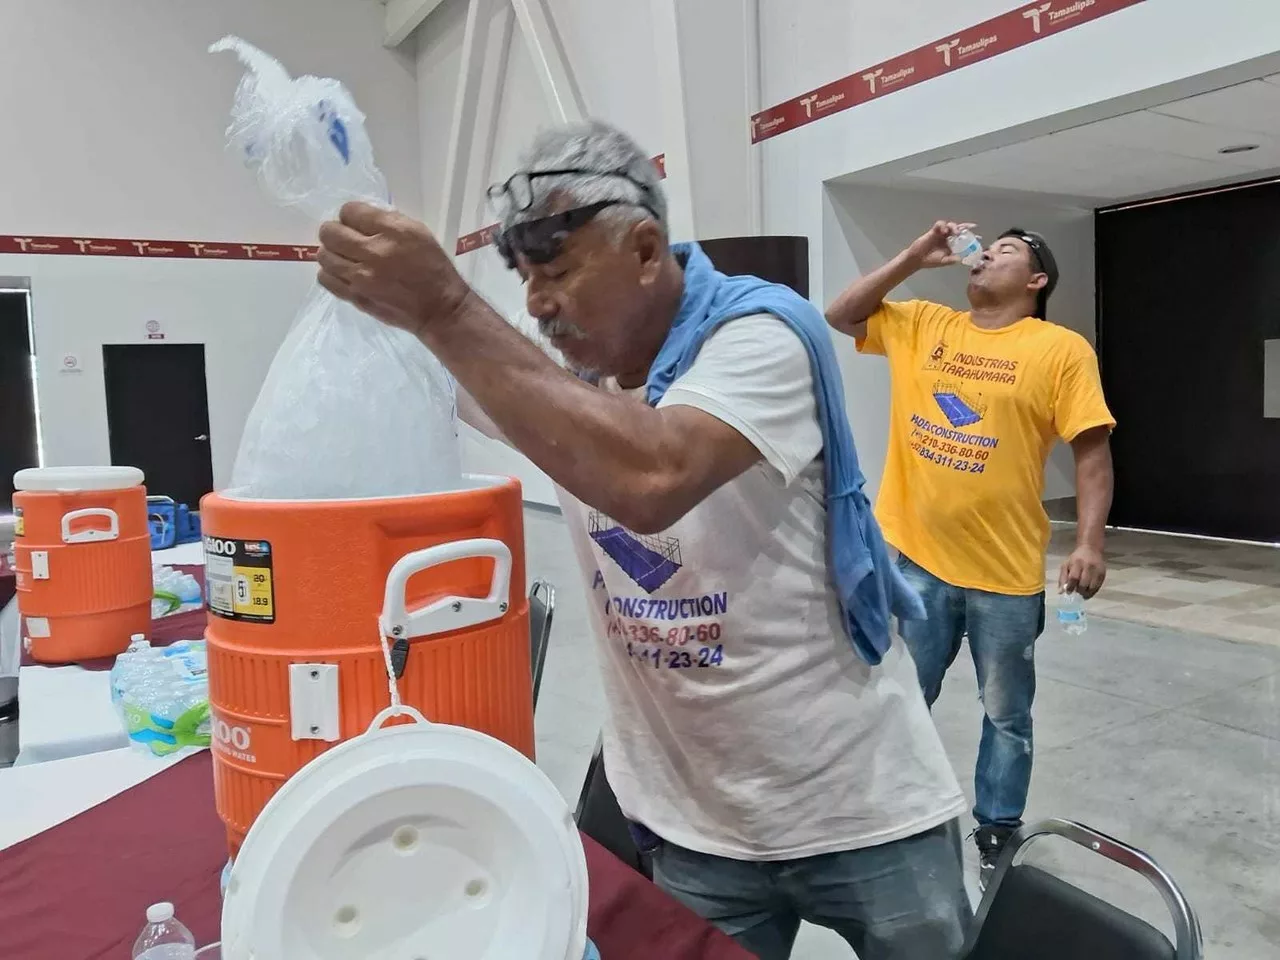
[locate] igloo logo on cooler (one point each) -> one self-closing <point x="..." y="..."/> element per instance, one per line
<point x="234" y="741"/>
<point x="219" y="548"/>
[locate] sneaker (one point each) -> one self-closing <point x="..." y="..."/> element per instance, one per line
<point x="990" y="840"/>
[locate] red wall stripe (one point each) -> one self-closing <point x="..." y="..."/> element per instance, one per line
<point x="484" y="236"/>
<point x="197" y="250"/>
<point x="1017" y="28"/>
<point x="155" y="249"/>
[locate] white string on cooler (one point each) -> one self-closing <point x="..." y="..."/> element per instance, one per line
<point x="392" y="685"/>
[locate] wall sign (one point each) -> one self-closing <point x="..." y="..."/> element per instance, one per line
<point x="153" y="330"/>
<point x="155" y="249"/>
<point x="1011" y="30"/>
<point x="70" y="364"/>
<point x="484" y="236"/>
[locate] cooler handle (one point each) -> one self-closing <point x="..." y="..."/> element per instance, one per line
<point x="87" y="536"/>
<point x="396" y="710"/>
<point x="447" y="613"/>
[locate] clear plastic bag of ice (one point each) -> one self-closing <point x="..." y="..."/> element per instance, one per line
<point x="350" y="407"/>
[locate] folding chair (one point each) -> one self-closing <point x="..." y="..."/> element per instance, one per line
<point x="600" y="818"/>
<point x="1029" y="912"/>
<point x="542" y="607"/>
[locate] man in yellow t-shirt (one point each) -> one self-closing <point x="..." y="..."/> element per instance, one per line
<point x="978" y="399"/>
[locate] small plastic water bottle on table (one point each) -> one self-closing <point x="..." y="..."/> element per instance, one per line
<point x="1071" y="615"/>
<point x="164" y="937"/>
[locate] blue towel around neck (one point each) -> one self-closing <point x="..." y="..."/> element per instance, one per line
<point x="869" y="584"/>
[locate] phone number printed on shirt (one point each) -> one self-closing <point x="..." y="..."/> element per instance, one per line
<point x="680" y="636"/>
<point x="662" y="658"/>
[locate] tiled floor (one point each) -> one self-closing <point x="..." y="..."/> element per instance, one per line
<point x="1223" y="589"/>
<point x="1166" y="739"/>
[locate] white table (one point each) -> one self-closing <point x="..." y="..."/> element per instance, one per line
<point x="184" y="555"/>
<point x="10" y="640"/>
<point x="35" y="798"/>
<point x="66" y="712"/>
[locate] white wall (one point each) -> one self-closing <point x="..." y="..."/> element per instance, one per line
<point x="863" y="226"/>
<point x="239" y="310"/>
<point x="115" y="115"/>
<point x="1146" y="54"/>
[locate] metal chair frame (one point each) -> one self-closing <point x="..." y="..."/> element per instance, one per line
<point x="1189" y="943"/>
<point x="542" y="608"/>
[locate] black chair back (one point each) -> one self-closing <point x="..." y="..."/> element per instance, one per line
<point x="601" y="819"/>
<point x="1029" y="912"/>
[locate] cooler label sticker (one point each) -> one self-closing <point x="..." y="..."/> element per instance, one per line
<point x="19" y="525"/>
<point x="238" y="580"/>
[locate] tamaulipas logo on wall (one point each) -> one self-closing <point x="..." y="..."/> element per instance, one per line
<point x="1008" y="31"/>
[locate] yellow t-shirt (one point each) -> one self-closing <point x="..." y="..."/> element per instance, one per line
<point x="973" y="415"/>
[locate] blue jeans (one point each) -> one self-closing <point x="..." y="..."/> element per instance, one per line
<point x="1002" y="632"/>
<point x="899" y="901"/>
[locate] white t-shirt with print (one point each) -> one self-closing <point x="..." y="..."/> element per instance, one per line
<point x="741" y="723"/>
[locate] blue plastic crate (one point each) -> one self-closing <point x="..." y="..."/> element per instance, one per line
<point x="162" y="518"/>
<point x="188" y="525"/>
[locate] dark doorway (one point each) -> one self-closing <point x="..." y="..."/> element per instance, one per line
<point x="19" y="433"/>
<point x="1187" y="294"/>
<point x="158" y="416"/>
<point x="783" y="260"/>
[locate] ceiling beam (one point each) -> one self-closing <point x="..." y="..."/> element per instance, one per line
<point x="669" y="79"/>
<point x="466" y="110"/>
<point x="554" y="73"/>
<point x="403" y="17"/>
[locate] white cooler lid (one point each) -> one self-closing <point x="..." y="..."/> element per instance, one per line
<point x="413" y="842"/>
<point x="76" y="479"/>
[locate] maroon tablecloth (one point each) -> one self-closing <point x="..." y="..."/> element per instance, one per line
<point x="164" y="631"/>
<point x="80" y="890"/>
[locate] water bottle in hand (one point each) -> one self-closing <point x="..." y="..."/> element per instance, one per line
<point x="1071" y="615"/>
<point x="967" y="246"/>
<point x="164" y="937"/>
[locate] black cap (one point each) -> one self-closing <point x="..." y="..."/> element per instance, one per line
<point x="1042" y="259"/>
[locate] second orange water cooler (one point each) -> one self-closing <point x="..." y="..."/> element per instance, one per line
<point x="300" y="594"/>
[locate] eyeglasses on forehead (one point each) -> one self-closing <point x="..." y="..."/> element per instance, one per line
<point x="517" y="191"/>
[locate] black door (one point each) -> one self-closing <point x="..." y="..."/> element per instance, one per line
<point x="1187" y="296"/>
<point x="782" y="260"/>
<point x="158" y="416"/>
<point x="18" y="443"/>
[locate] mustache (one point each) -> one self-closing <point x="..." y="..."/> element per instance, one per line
<point x="556" y="327"/>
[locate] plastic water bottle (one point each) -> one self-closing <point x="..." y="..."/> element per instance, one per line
<point x="128" y="665"/>
<point x="172" y="590"/>
<point x="1071" y="615"/>
<point x="164" y="937"/>
<point x="967" y="246"/>
<point x="164" y="699"/>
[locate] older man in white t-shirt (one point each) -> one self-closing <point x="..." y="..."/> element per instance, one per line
<point x="781" y="777"/>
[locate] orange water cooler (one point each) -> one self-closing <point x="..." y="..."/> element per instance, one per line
<point x="300" y="594"/>
<point x="82" y="552"/>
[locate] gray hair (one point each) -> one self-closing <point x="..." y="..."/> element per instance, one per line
<point x="619" y="170"/>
